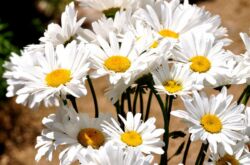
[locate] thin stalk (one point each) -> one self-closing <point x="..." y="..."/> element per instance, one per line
<point x="168" y="106"/>
<point x="148" y="105"/>
<point x="202" y="154"/>
<point x="135" y="99"/>
<point x="93" y="96"/>
<point x="165" y="135"/>
<point x="73" y="102"/>
<point x="129" y="100"/>
<point x="186" y="150"/>
<point x="243" y="99"/>
<point x="141" y="102"/>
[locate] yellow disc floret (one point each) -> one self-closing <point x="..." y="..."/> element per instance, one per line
<point x="154" y="44"/>
<point x="211" y="123"/>
<point x="227" y="159"/>
<point x="169" y="33"/>
<point x="91" y="137"/>
<point x="58" y="77"/>
<point x="200" y="64"/>
<point x="117" y="63"/>
<point x="173" y="86"/>
<point x="131" y="138"/>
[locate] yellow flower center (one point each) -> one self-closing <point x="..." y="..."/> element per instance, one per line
<point x="117" y="63"/>
<point x="91" y="137"/>
<point x="173" y="86"/>
<point x="154" y="44"/>
<point x="200" y="64"/>
<point x="131" y="138"/>
<point x="169" y="33"/>
<point x="211" y="123"/>
<point x="58" y="77"/>
<point x="227" y="159"/>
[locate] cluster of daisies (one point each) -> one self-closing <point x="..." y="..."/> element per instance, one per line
<point x="155" y="47"/>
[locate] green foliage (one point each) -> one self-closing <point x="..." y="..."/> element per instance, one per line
<point x="5" y="50"/>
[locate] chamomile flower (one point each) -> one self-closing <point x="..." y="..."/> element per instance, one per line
<point x="175" y="81"/>
<point x="76" y="132"/>
<point x="57" y="73"/>
<point x="119" y="62"/>
<point x="215" y="120"/>
<point x="240" y="156"/>
<point x="247" y="133"/>
<point x="110" y="154"/>
<point x="109" y="7"/>
<point x="68" y="31"/>
<point x="167" y="19"/>
<point x="136" y="134"/>
<point x="102" y="27"/>
<point x="205" y="58"/>
<point x="246" y="41"/>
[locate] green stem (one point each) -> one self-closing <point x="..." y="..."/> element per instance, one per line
<point x="141" y="102"/>
<point x="202" y="154"/>
<point x="93" y="96"/>
<point x="168" y="106"/>
<point x="148" y="105"/>
<point x="135" y="99"/>
<point x="245" y="96"/>
<point x="186" y="150"/>
<point x="129" y="100"/>
<point x="73" y="102"/>
<point x="243" y="99"/>
<point x="165" y="118"/>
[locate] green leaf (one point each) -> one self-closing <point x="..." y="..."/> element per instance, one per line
<point x="180" y="148"/>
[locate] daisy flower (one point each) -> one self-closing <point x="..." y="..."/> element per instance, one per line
<point x="215" y="120"/>
<point x="119" y="62"/>
<point x="110" y="154"/>
<point x="247" y="133"/>
<point x="205" y="58"/>
<point x="68" y="31"/>
<point x="54" y="75"/>
<point x="76" y="132"/>
<point x="175" y="81"/>
<point x="240" y="156"/>
<point x="136" y="134"/>
<point x="102" y="27"/>
<point x="109" y="7"/>
<point x="246" y="40"/>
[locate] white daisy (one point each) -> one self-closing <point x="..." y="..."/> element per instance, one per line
<point x="240" y="156"/>
<point x="172" y="19"/>
<point x="110" y="155"/>
<point x="246" y="40"/>
<point x="54" y="75"/>
<point x="119" y="62"/>
<point x="247" y="133"/>
<point x="214" y="120"/>
<point x="162" y="17"/>
<point x="70" y="28"/>
<point x="246" y="55"/>
<point x="102" y="27"/>
<point x="175" y="81"/>
<point x="205" y="58"/>
<point x="14" y="68"/>
<point x="109" y="7"/>
<point x="136" y="134"/>
<point x="76" y="132"/>
<point x="238" y="71"/>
